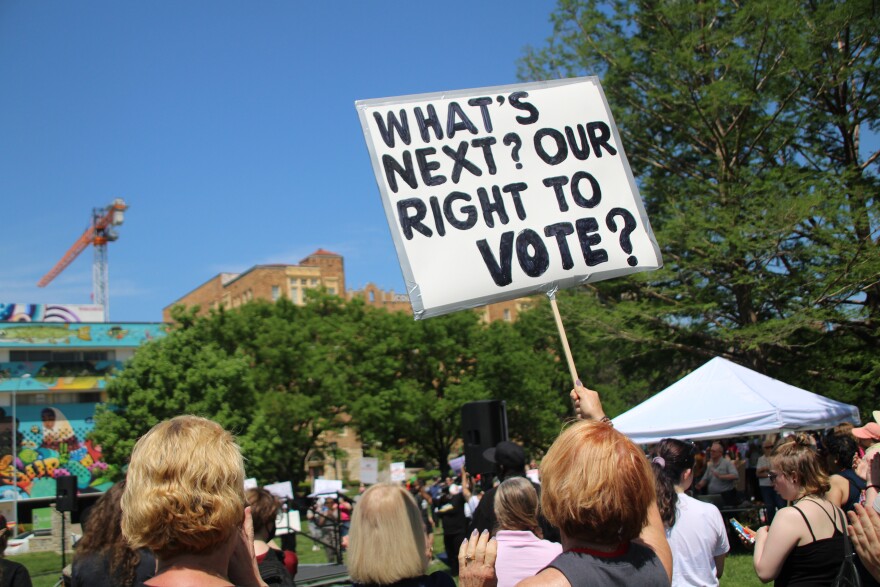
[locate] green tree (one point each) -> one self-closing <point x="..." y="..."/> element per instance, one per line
<point x="745" y="126"/>
<point x="416" y="377"/>
<point x="275" y="374"/>
<point x="520" y="367"/>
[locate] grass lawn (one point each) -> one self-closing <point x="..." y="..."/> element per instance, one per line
<point x="739" y="572"/>
<point x="44" y="567"/>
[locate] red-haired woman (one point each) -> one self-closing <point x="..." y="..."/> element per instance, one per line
<point x="598" y="489"/>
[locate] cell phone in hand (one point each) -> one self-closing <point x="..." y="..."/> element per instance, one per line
<point x="744" y="531"/>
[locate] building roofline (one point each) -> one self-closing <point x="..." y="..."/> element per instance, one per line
<point x="204" y="283"/>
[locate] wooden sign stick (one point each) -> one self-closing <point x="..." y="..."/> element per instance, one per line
<point x="565" y="348"/>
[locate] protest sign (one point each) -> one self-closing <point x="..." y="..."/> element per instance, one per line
<point x="369" y="470"/>
<point x="326" y="487"/>
<point x="456" y="464"/>
<point x="282" y="489"/>
<point x="499" y="192"/>
<point x="287" y="522"/>
<point x="398" y="472"/>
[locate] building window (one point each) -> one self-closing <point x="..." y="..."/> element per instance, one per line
<point x="314" y="283"/>
<point x="276" y="293"/>
<point x="61" y="356"/>
<point x="40" y="399"/>
<point x="507" y="315"/>
<point x="304" y="282"/>
<point x="331" y="291"/>
<point x="294" y="294"/>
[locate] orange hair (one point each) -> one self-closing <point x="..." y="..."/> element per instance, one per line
<point x="596" y="485"/>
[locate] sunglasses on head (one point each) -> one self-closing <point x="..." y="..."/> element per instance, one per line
<point x="772" y="477"/>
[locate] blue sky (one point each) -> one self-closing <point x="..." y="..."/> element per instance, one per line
<point x="228" y="127"/>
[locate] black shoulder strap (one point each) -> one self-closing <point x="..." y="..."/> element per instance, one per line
<point x="806" y="521"/>
<point x="834" y="518"/>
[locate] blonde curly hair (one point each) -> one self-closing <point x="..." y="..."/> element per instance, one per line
<point x="185" y="488"/>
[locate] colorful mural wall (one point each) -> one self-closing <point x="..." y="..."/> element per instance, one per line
<point x="50" y="441"/>
<point x="55" y="398"/>
<point x="77" y="336"/>
<point x="51" y="313"/>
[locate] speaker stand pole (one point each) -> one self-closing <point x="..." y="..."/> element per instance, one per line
<point x="63" y="545"/>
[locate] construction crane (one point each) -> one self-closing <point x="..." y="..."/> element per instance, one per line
<point x="99" y="233"/>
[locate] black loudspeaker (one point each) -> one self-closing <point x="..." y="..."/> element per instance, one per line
<point x="65" y="493"/>
<point x="483" y="425"/>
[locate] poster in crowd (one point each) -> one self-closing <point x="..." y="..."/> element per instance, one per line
<point x="326" y="487"/>
<point x="282" y="490"/>
<point x="398" y="472"/>
<point x="369" y="472"/>
<point x="500" y="192"/>
<point x="456" y="464"/>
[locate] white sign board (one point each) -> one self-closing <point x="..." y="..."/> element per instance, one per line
<point x="326" y="487"/>
<point x="398" y="472"/>
<point x="282" y="489"/>
<point x="500" y="192"/>
<point x="369" y="470"/>
<point x="456" y="464"/>
<point x="287" y="521"/>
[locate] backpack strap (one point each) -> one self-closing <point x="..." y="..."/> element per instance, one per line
<point x="847" y="547"/>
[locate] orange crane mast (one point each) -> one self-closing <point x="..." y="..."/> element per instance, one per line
<point x="99" y="233"/>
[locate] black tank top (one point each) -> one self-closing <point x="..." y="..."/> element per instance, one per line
<point x="815" y="564"/>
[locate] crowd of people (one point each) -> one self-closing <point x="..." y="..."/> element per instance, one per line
<point x="605" y="512"/>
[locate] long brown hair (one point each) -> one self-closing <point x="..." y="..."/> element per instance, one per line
<point x="103" y="536"/>
<point x="671" y="458"/>
<point x="516" y="505"/>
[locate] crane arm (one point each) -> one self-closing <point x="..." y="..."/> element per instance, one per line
<point x="87" y="238"/>
<point x="72" y="253"/>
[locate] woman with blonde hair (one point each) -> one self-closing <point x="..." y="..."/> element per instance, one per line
<point x="804" y="544"/>
<point x="184" y="500"/>
<point x="387" y="542"/>
<point x="521" y="550"/>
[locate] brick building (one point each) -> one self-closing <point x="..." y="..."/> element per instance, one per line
<point x="320" y="269"/>
<point x="267" y="282"/>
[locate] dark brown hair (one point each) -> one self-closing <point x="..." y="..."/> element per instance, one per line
<point x="670" y="459"/>
<point x="102" y="536"/>
<point x="264" y="508"/>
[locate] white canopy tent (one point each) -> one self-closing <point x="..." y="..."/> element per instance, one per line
<point x="722" y="399"/>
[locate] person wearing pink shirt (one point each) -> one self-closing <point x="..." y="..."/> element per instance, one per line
<point x="521" y="550"/>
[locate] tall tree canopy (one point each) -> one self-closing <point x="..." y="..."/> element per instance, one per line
<point x="752" y="131"/>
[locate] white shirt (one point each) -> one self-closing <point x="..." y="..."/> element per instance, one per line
<point x="764" y="462"/>
<point x="697" y="537"/>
